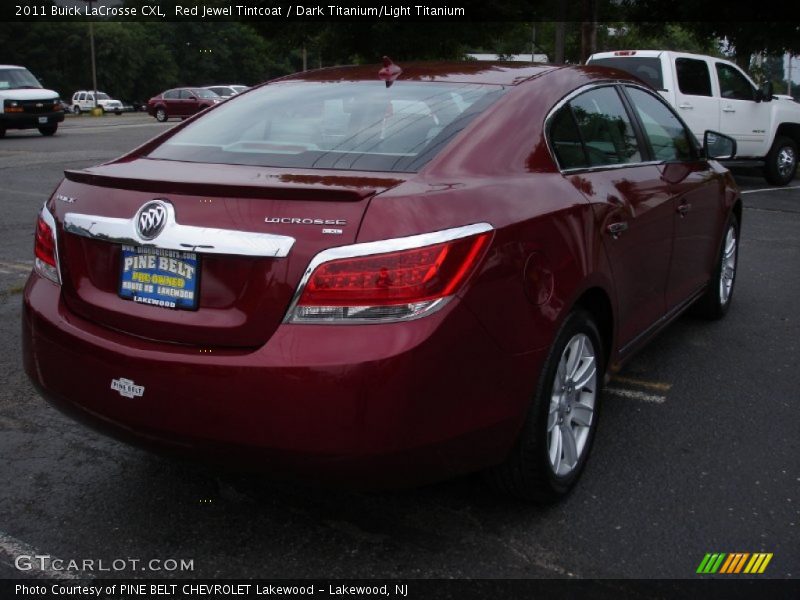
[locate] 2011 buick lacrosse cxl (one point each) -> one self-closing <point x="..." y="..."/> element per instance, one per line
<point x="382" y="276"/>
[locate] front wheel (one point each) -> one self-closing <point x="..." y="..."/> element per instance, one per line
<point x="716" y="301"/>
<point x="161" y="115"/>
<point x="76" y="109"/>
<point x="555" y="441"/>
<point x="781" y="162"/>
<point x="48" y="130"/>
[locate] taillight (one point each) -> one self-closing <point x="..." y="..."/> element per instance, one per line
<point x="390" y="280"/>
<point x="45" y="261"/>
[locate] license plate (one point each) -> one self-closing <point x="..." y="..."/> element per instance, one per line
<point x="43" y="120"/>
<point x="166" y="278"/>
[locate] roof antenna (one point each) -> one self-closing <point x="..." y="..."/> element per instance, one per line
<point x="389" y="72"/>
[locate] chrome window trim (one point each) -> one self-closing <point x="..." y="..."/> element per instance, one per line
<point x="563" y="102"/>
<point x="175" y="236"/>
<point x="382" y="247"/>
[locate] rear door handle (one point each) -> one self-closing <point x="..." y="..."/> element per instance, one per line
<point x="684" y="208"/>
<point x="616" y="229"/>
<point x="685" y="105"/>
<point x="728" y="109"/>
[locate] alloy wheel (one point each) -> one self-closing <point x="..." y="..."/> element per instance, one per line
<point x="572" y="403"/>
<point x="727" y="271"/>
<point x="786" y="161"/>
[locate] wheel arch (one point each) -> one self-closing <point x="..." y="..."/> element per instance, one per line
<point x="597" y="302"/>
<point x="790" y="130"/>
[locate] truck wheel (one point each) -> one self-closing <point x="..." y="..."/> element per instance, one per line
<point x="48" y="130"/>
<point x="2" y="132"/>
<point x="76" y="109"/>
<point x="781" y="161"/>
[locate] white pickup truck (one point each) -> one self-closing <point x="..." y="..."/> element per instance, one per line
<point x="712" y="93"/>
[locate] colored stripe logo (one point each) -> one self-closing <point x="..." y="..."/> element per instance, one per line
<point x="734" y="563"/>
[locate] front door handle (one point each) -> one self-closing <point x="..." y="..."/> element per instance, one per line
<point x="684" y="208"/>
<point x="728" y="109"/>
<point x="616" y="229"/>
<point x="685" y="105"/>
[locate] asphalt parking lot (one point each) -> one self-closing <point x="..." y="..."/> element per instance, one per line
<point x="697" y="450"/>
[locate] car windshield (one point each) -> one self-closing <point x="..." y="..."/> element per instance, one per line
<point x="17" y="78"/>
<point x="102" y="96"/>
<point x="204" y="94"/>
<point x="336" y="125"/>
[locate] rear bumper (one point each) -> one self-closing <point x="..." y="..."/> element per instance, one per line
<point x="376" y="405"/>
<point x="29" y="121"/>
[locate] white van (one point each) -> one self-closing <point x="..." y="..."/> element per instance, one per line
<point x="25" y="104"/>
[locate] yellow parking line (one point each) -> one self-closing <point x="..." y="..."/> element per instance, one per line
<point x="653" y="385"/>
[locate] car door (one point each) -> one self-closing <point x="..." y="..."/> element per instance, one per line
<point x="189" y="103"/>
<point x="741" y="117"/>
<point x="695" y="100"/>
<point x="594" y="139"/>
<point x="695" y="189"/>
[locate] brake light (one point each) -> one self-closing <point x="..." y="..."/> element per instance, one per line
<point x="391" y="280"/>
<point x="45" y="261"/>
<point x="625" y="53"/>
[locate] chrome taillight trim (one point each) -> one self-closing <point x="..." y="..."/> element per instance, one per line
<point x="175" y="236"/>
<point x="383" y="247"/>
<point x="50" y="221"/>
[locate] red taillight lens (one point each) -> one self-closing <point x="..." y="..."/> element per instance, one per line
<point x="394" y="285"/>
<point x="45" y="246"/>
<point x="44" y="249"/>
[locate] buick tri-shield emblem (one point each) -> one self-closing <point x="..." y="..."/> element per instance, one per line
<point x="151" y="219"/>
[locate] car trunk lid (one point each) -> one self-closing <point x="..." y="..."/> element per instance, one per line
<point x="254" y="231"/>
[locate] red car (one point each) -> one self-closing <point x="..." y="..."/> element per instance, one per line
<point x="181" y="102"/>
<point x="384" y="279"/>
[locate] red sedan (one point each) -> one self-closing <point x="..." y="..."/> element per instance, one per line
<point x="181" y="102"/>
<point x="382" y="279"/>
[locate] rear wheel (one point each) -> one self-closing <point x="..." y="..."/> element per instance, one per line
<point x="717" y="299"/>
<point x="555" y="441"/>
<point x="2" y="132"/>
<point x="781" y="162"/>
<point x="161" y="115"/>
<point x="48" y="130"/>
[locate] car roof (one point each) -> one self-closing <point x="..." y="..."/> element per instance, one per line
<point x="11" y="67"/>
<point x="472" y="71"/>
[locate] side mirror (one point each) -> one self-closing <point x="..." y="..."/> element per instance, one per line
<point x="718" y="146"/>
<point x="764" y="93"/>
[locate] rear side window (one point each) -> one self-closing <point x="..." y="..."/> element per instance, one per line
<point x="566" y="140"/>
<point x="185" y="95"/>
<point x="668" y="138"/>
<point x="693" y="77"/>
<point x="605" y="127"/>
<point x="345" y="125"/>
<point x="170" y="95"/>
<point x="734" y="85"/>
<point x="648" y="69"/>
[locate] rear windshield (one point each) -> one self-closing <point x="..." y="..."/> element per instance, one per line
<point x="338" y="125"/>
<point x="648" y="69"/>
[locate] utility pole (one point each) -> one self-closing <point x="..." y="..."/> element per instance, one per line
<point x="91" y="46"/>
<point x="789" y="78"/>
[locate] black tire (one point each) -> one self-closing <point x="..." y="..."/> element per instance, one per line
<point x="781" y="163"/>
<point x="48" y="130"/>
<point x="161" y="114"/>
<point x="713" y="304"/>
<point x="76" y="109"/>
<point x="528" y="473"/>
<point x="2" y="132"/>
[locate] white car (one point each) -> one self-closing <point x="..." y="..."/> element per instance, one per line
<point x="712" y="93"/>
<point x="226" y="91"/>
<point x="83" y="101"/>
